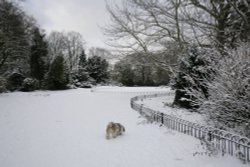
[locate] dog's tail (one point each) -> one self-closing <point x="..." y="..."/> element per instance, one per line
<point x="123" y="128"/>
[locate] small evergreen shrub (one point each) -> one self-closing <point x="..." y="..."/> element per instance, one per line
<point x="15" y="81"/>
<point x="29" y="84"/>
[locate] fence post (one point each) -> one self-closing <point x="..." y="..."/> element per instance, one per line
<point x="209" y="136"/>
<point x="162" y="118"/>
<point x="141" y="109"/>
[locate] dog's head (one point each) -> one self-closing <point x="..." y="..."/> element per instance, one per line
<point x="110" y="124"/>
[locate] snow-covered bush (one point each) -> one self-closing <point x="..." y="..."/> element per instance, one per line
<point x="83" y="84"/>
<point x="83" y="75"/>
<point x="228" y="103"/>
<point x="15" y="81"/>
<point x="29" y="84"/>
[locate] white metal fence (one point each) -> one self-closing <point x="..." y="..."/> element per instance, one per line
<point x="224" y="141"/>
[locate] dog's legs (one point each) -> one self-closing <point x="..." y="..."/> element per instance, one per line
<point x="107" y="136"/>
<point x="114" y="135"/>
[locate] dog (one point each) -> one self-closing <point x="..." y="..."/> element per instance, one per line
<point x="114" y="129"/>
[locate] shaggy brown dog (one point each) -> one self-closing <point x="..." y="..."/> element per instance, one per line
<point x="114" y="129"/>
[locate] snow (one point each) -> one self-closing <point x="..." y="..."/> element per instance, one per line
<point x="67" y="129"/>
<point x="136" y="90"/>
<point x="162" y="104"/>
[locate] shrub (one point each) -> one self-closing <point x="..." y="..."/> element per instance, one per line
<point x="229" y="100"/>
<point x="15" y="81"/>
<point x="29" y="84"/>
<point x="228" y="103"/>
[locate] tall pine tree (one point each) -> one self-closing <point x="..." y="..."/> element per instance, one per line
<point x="39" y="56"/>
<point x="58" y="75"/>
<point x="195" y="69"/>
<point x="97" y="69"/>
<point x="82" y="68"/>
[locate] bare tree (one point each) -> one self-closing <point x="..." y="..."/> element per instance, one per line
<point x="57" y="44"/>
<point x="101" y="52"/>
<point x="148" y="25"/>
<point x="240" y="27"/>
<point x="74" y="47"/>
<point x="145" y="26"/>
<point x="220" y="23"/>
<point x="69" y="44"/>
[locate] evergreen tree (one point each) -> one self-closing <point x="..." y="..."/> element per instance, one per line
<point x="58" y="75"/>
<point x="97" y="68"/>
<point x="82" y="60"/>
<point x="228" y="104"/>
<point x="194" y="71"/>
<point x="82" y="68"/>
<point x="39" y="56"/>
<point x="14" y="46"/>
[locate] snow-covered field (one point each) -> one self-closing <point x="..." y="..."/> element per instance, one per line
<point x="162" y="104"/>
<point x="67" y="129"/>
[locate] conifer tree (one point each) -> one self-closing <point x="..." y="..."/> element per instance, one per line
<point x="195" y="69"/>
<point x="58" y="75"/>
<point x="39" y="56"/>
<point x="14" y="46"/>
<point x="82" y="60"/>
<point x="97" y="68"/>
<point x="82" y="67"/>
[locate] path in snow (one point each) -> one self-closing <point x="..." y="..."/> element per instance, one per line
<point x="67" y="129"/>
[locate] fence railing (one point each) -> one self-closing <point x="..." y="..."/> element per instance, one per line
<point x="224" y="141"/>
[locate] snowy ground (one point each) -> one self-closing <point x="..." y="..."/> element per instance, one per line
<point x="162" y="104"/>
<point x="67" y="129"/>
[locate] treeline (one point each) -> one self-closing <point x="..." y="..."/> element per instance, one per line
<point x="136" y="70"/>
<point x="208" y="42"/>
<point x="30" y="60"/>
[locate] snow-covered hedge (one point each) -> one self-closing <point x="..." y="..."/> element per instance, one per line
<point x="30" y="84"/>
<point x="228" y="103"/>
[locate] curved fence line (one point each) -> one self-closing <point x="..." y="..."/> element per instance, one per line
<point x="224" y="141"/>
<point x="127" y="90"/>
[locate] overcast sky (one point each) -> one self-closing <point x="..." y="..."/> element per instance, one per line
<point x="83" y="16"/>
